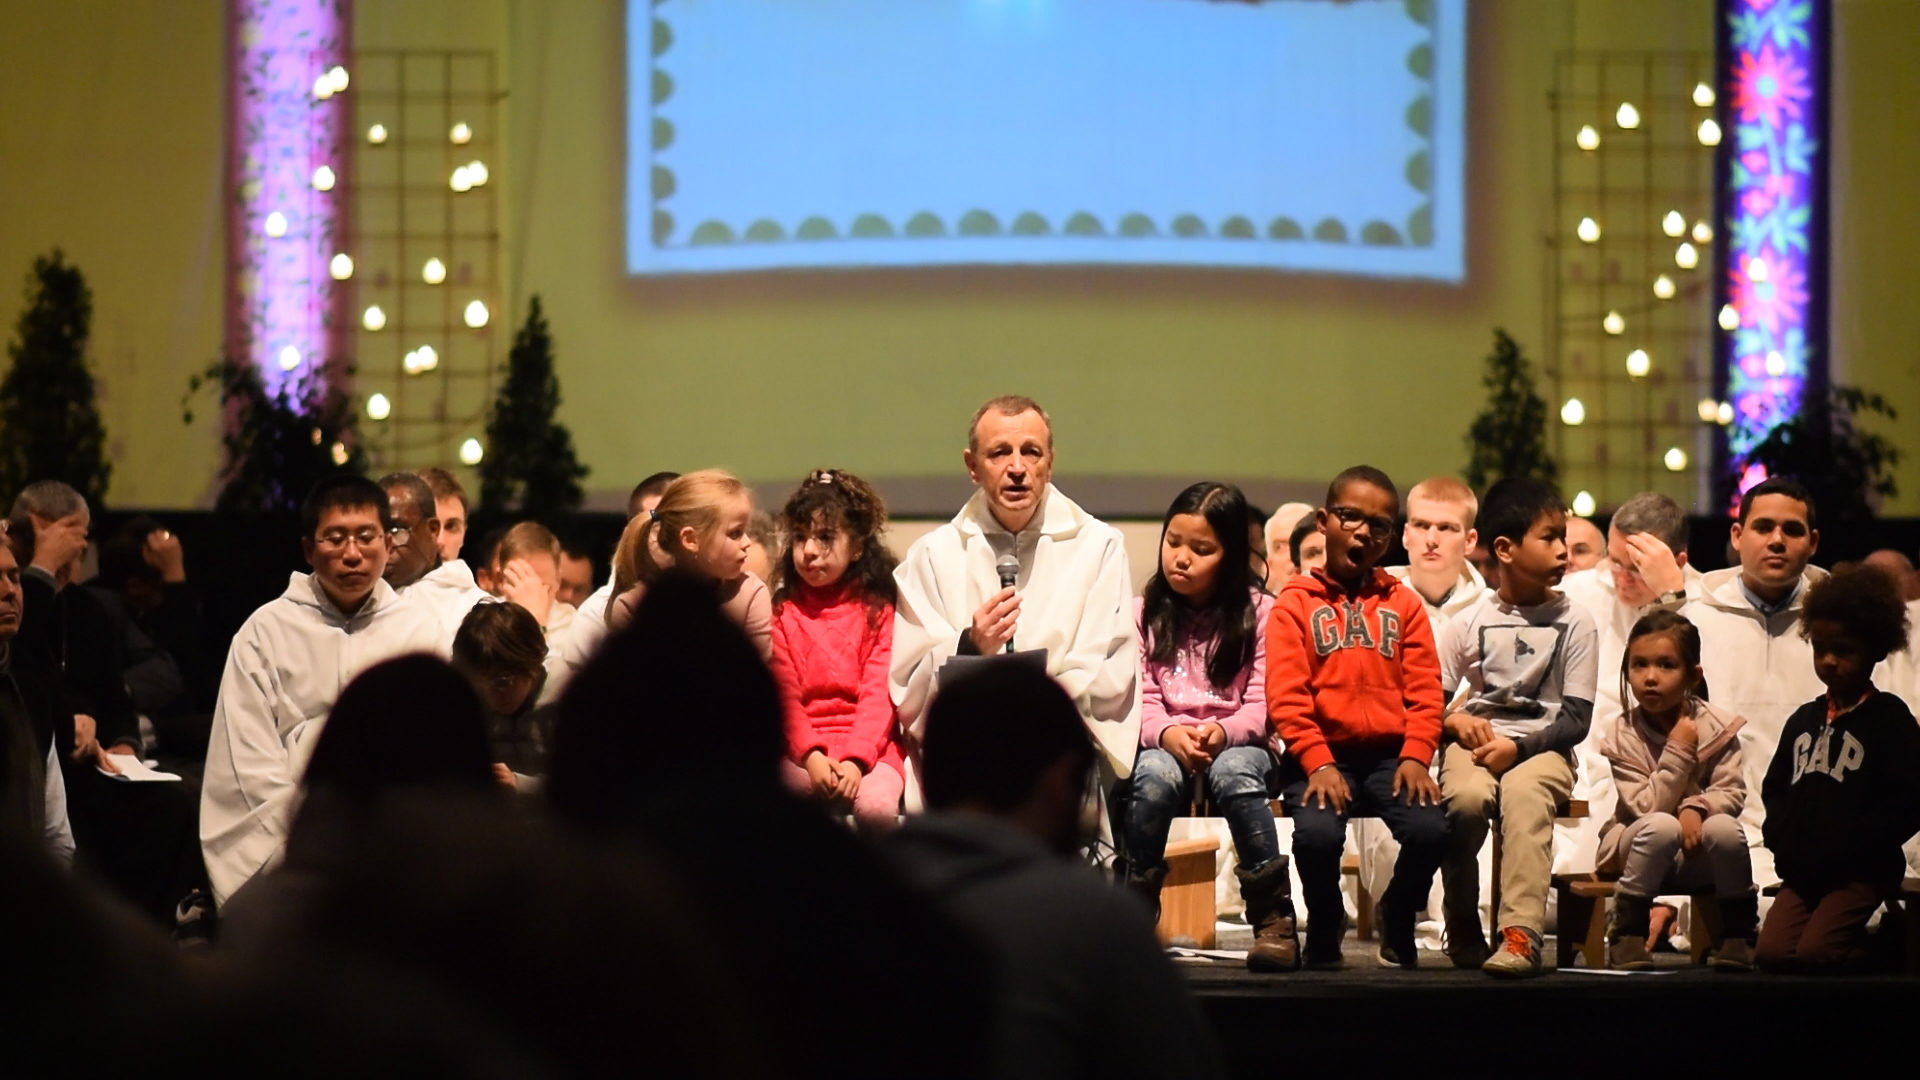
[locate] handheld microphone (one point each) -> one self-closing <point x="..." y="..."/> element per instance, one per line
<point x="1008" y="566"/>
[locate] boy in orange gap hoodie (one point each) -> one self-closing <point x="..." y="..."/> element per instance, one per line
<point x="1353" y="690"/>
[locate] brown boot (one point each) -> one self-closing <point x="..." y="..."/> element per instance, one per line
<point x="1627" y="934"/>
<point x="1146" y="886"/>
<point x="1739" y="924"/>
<point x="1268" y="892"/>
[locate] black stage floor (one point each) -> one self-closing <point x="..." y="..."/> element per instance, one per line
<point x="1366" y="1020"/>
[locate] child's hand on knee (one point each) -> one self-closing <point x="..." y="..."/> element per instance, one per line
<point x="847" y="780"/>
<point x="1329" y="788"/>
<point x="1183" y="742"/>
<point x="1470" y="731"/>
<point x="1413" y="779"/>
<point x="1213" y="739"/>
<point x="1693" y="827"/>
<point x="822" y="775"/>
<point x="1497" y="755"/>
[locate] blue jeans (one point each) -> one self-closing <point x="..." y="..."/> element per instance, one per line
<point x="1320" y="837"/>
<point x="1237" y="780"/>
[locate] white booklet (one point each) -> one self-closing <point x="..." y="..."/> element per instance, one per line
<point x="133" y="769"/>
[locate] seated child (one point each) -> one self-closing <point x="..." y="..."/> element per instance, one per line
<point x="503" y="653"/>
<point x="1526" y="657"/>
<point x="1843" y="791"/>
<point x="1677" y="768"/>
<point x="833" y="597"/>
<point x="1203" y="711"/>
<point x="1353" y="690"/>
<point x="699" y="526"/>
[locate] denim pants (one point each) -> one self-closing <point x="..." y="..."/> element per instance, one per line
<point x="1320" y="837"/>
<point x="1237" y="781"/>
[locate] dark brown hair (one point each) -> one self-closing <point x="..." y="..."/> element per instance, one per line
<point x="1864" y="599"/>
<point x="499" y="638"/>
<point x="844" y="502"/>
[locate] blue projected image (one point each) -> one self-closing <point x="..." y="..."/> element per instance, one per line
<point x="1309" y="135"/>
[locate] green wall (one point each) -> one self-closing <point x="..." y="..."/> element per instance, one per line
<point x="1154" y="377"/>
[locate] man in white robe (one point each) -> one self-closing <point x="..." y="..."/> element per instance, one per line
<point x="417" y="571"/>
<point x="1072" y="595"/>
<point x="289" y="663"/>
<point x="1757" y="665"/>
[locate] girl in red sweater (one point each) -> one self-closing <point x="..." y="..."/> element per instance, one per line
<point x="833" y="598"/>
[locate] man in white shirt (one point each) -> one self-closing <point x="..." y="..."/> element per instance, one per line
<point x="417" y="571"/>
<point x="1072" y="595"/>
<point x="1756" y="663"/>
<point x="289" y="663"/>
<point x="1645" y="570"/>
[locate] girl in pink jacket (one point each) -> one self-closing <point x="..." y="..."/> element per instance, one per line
<point x="833" y="600"/>
<point x="1676" y="764"/>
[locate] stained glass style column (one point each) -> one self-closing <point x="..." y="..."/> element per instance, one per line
<point x="1773" y="182"/>
<point x="287" y="181"/>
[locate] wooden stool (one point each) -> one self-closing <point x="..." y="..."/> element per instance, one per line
<point x="1582" y="900"/>
<point x="1186" y="897"/>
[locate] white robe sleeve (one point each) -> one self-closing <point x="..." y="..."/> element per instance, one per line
<point x="59" y="828"/>
<point x="1101" y="668"/>
<point x="924" y="637"/>
<point x="247" y="794"/>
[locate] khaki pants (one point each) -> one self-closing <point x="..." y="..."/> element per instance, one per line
<point x="1527" y="797"/>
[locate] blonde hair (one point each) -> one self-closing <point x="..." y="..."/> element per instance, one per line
<point x="691" y="501"/>
<point x="526" y="538"/>
<point x="1447" y="489"/>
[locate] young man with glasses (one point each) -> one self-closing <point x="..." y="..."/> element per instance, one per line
<point x="1756" y="663"/>
<point x="288" y="663"/>
<point x="1353" y="690"/>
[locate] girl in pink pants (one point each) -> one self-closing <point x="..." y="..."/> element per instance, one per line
<point x="833" y="598"/>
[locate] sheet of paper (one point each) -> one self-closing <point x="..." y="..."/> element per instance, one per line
<point x="133" y="769"/>
<point x="1610" y="971"/>
<point x="1207" y="954"/>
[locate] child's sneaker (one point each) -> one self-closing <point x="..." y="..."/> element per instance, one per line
<point x="1518" y="956"/>
<point x="1467" y="951"/>
<point x="1397" y="946"/>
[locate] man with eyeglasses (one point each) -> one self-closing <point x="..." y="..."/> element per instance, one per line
<point x="288" y="663"/>
<point x="1756" y="663"/>
<point x="418" y="571"/>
